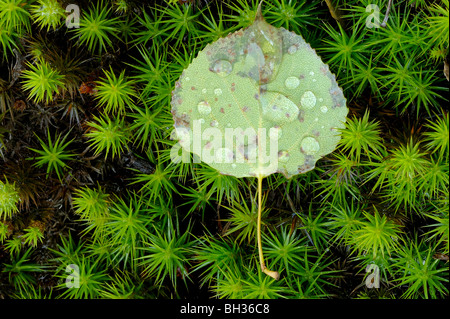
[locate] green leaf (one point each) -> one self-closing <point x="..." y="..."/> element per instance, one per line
<point x="258" y="101"/>
<point x="9" y="198"/>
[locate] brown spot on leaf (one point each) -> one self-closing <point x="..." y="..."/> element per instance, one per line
<point x="181" y="120"/>
<point x="301" y="116"/>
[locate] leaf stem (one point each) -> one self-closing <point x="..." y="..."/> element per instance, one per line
<point x="273" y="274"/>
<point x="384" y="23"/>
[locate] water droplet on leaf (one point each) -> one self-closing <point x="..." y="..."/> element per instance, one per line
<point x="292" y="82"/>
<point x="308" y="100"/>
<point x="309" y="146"/>
<point x="204" y="108"/>
<point x="278" y="108"/>
<point x="222" y="67"/>
<point x="283" y="156"/>
<point x="292" y="49"/>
